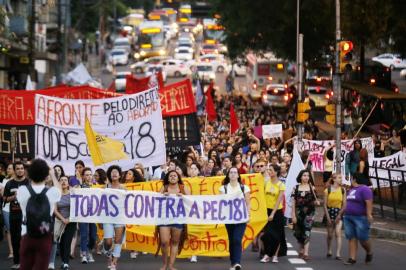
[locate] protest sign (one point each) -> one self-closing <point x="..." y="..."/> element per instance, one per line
<point x="383" y="168"/>
<point x="272" y="131"/>
<point x="152" y="208"/>
<point x="24" y="142"/>
<point x="134" y="120"/>
<point x="17" y="106"/>
<point x="318" y="148"/>
<point x="203" y="240"/>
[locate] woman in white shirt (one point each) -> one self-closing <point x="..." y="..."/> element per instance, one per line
<point x="6" y="208"/>
<point x="232" y="184"/>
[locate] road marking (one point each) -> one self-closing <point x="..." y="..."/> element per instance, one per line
<point x="289" y="245"/>
<point x="292" y="253"/>
<point x="296" y="261"/>
<point x="304" y="268"/>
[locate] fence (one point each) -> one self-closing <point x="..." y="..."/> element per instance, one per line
<point x="396" y="183"/>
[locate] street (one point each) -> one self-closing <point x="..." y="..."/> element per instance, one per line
<point x="387" y="255"/>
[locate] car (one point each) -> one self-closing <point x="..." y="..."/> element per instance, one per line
<point x="390" y="60"/>
<point x="205" y="71"/>
<point x="122" y="43"/>
<point x="403" y="73"/>
<point x="275" y="95"/>
<point x="175" y="68"/>
<point x="208" y="49"/>
<point x="217" y="60"/>
<point x="118" y="57"/>
<point x="319" y="96"/>
<point x="120" y="80"/>
<point x="141" y="65"/>
<point x="183" y="53"/>
<point x="155" y="69"/>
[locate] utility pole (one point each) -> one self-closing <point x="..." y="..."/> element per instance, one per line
<point x="31" y="41"/>
<point x="337" y="90"/>
<point x="298" y="68"/>
<point x="59" y="66"/>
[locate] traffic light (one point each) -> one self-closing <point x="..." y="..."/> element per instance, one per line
<point x="331" y="113"/>
<point x="345" y="55"/>
<point x="302" y="111"/>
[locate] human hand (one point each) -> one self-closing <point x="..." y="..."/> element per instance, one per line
<point x="270" y="218"/>
<point x="294" y="220"/>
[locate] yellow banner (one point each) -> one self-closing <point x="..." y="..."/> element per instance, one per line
<point x="204" y="240"/>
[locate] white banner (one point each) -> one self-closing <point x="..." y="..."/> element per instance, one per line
<point x="295" y="168"/>
<point x="135" y="120"/>
<point x="396" y="161"/>
<point x="272" y="131"/>
<point x="318" y="148"/>
<point x="116" y="206"/>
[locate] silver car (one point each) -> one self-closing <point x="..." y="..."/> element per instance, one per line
<point x="275" y="95"/>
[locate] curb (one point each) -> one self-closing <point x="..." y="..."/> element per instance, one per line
<point x="377" y="232"/>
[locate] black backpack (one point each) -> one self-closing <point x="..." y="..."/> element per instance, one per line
<point x="38" y="219"/>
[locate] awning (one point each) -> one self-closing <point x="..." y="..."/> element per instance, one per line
<point x="377" y="92"/>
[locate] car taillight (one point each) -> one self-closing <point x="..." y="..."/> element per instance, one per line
<point x="275" y="91"/>
<point x="254" y="85"/>
<point x="270" y="78"/>
<point x="372" y="81"/>
<point x="318" y="79"/>
<point x="285" y="86"/>
<point x="286" y="97"/>
<point x="327" y="96"/>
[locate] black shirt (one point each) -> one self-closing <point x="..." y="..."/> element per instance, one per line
<point x="10" y="190"/>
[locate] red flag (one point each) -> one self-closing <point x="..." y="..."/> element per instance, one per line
<point x="234" y="125"/>
<point x="135" y="85"/>
<point x="210" y="108"/>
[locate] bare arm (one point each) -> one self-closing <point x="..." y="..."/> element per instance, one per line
<point x="343" y="206"/>
<point x="325" y="206"/>
<point x="247" y="197"/>
<point x="278" y="201"/>
<point x="369" y="210"/>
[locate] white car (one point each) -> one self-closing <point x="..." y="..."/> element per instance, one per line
<point x="217" y="60"/>
<point x="122" y="43"/>
<point x="390" y="60"/>
<point x="183" y="53"/>
<point x="120" y="80"/>
<point x="319" y="95"/>
<point x="206" y="71"/>
<point x="175" y="68"/>
<point x="118" y="57"/>
<point x="141" y="65"/>
<point x="403" y="73"/>
<point x="155" y="69"/>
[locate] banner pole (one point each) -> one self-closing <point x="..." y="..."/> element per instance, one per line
<point x="369" y="115"/>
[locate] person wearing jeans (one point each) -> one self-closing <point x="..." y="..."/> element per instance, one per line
<point x="232" y="184"/>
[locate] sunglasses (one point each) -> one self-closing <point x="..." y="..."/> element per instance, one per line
<point x="259" y="166"/>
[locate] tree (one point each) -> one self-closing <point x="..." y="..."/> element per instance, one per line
<point x="264" y="25"/>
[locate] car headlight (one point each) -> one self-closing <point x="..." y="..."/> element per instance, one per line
<point x="190" y="50"/>
<point x="137" y="55"/>
<point x="143" y="53"/>
<point x="176" y="50"/>
<point x="162" y="52"/>
<point x="224" y="48"/>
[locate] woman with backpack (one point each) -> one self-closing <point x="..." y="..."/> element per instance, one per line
<point x="113" y="231"/>
<point x="334" y="205"/>
<point x="171" y="237"/>
<point x="232" y="184"/>
<point x="274" y="239"/>
<point x="304" y="201"/>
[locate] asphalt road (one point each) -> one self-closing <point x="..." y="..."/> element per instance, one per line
<point x="388" y="255"/>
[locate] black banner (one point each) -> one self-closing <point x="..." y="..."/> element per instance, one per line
<point x="181" y="131"/>
<point x="25" y="139"/>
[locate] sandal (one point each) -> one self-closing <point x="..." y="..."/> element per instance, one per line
<point x="306" y="257"/>
<point x="300" y="254"/>
<point x="338" y="258"/>
<point x="329" y="255"/>
<point x="350" y="261"/>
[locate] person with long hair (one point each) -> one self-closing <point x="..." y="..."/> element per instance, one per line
<point x="304" y="200"/>
<point x="6" y="208"/>
<point x="59" y="171"/>
<point x="132" y="176"/>
<point x="274" y="239"/>
<point x="334" y="205"/>
<point x="171" y="237"/>
<point x="239" y="164"/>
<point x="64" y="230"/>
<point x="113" y="231"/>
<point x="232" y="184"/>
<point x="358" y="218"/>
<point x="100" y="176"/>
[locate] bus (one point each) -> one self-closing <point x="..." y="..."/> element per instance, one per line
<point x="263" y="70"/>
<point x="213" y="32"/>
<point x="135" y="18"/>
<point x="151" y="40"/>
<point x="184" y="13"/>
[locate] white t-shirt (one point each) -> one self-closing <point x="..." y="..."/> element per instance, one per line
<point x="23" y="195"/>
<point x="232" y="190"/>
<point x="6" y="207"/>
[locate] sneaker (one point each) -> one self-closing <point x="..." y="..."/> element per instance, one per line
<point x="84" y="259"/>
<point x="237" y="267"/>
<point x="368" y="258"/>
<point x="350" y="262"/>
<point x="265" y="259"/>
<point x="193" y="259"/>
<point x="275" y="259"/>
<point x="65" y="266"/>
<point x="133" y="255"/>
<point x="15" y="266"/>
<point x="90" y="258"/>
<point x="51" y="266"/>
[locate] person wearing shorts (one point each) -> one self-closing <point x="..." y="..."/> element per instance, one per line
<point x="358" y="217"/>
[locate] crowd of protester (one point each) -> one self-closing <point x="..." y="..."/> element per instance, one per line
<point x="221" y="153"/>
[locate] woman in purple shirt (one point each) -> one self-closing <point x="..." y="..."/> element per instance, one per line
<point x="358" y="217"/>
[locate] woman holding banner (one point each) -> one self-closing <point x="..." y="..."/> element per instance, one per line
<point x="117" y="231"/>
<point x="232" y="184"/>
<point x="171" y="237"/>
<point x="274" y="233"/>
<point x="304" y="200"/>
